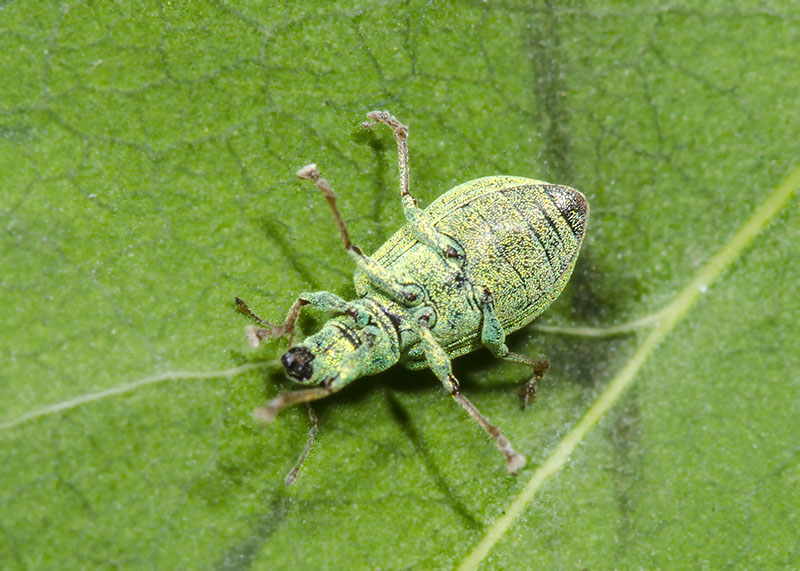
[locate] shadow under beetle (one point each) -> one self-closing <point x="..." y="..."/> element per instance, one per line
<point x="483" y="260"/>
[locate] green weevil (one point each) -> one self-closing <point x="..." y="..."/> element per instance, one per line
<point x="483" y="260"/>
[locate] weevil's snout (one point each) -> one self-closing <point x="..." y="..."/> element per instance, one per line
<point x="298" y="363"/>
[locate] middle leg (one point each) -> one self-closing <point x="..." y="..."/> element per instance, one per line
<point x="439" y="362"/>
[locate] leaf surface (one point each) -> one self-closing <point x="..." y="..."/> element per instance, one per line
<point x="147" y="159"/>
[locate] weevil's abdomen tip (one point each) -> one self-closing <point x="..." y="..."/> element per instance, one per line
<point x="516" y="463"/>
<point x="572" y="204"/>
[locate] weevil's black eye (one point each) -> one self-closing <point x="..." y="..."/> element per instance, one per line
<point x="297" y="362"/>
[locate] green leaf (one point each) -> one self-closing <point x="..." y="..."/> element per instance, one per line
<point x="147" y="159"/>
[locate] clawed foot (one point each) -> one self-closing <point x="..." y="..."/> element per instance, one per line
<point x="255" y="335"/>
<point x="528" y="392"/>
<point x="386" y="118"/>
<point x="515" y="463"/>
<point x="267" y="413"/>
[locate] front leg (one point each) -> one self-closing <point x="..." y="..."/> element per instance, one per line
<point x="323" y="300"/>
<point x="348" y="370"/>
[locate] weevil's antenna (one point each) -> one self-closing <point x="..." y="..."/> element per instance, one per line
<point x="244" y="308"/>
<point x="292" y="476"/>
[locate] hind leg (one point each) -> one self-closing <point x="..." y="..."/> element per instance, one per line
<point x="493" y="337"/>
<point x="420" y="227"/>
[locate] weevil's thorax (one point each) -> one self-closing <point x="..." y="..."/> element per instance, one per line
<point x="345" y="348"/>
<point x="447" y="304"/>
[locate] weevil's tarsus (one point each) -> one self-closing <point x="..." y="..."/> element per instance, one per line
<point x="255" y="335"/>
<point x="400" y="132"/>
<point x="268" y="412"/>
<point x="528" y="392"/>
<point x="312" y="434"/>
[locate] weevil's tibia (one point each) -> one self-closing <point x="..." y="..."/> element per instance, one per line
<point x="514" y="460"/>
<point x="311" y="172"/>
<point x="420" y="227"/>
<point x="292" y="476"/>
<point x="440" y="365"/>
<point x="492" y="334"/>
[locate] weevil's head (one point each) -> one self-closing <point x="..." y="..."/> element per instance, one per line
<point x="341" y="351"/>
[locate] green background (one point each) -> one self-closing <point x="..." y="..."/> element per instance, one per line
<point x="147" y="159"/>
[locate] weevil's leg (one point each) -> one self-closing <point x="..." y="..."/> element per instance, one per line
<point x="422" y="229"/>
<point x="311" y="172"/>
<point x="400" y="133"/>
<point x="492" y="334"/>
<point x="407" y="294"/>
<point x="323" y="300"/>
<point x="493" y="337"/>
<point x="244" y="308"/>
<point x="312" y="434"/>
<point x="528" y="392"/>
<point x="439" y="362"/>
<point x="267" y="413"/>
<point x="347" y="372"/>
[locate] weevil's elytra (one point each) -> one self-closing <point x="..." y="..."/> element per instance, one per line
<point x="522" y="238"/>
<point x="484" y="259"/>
